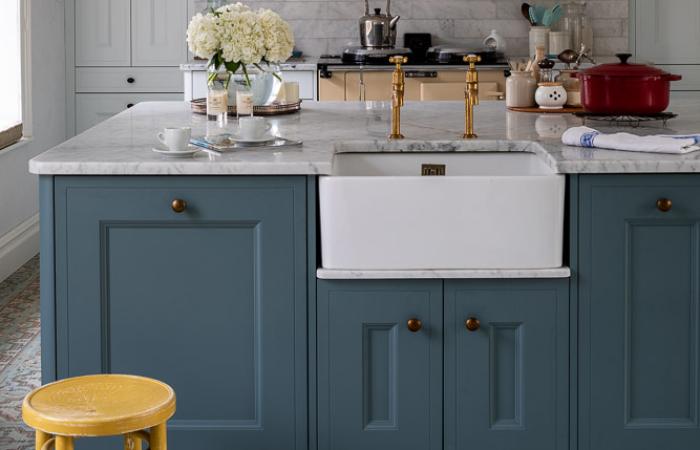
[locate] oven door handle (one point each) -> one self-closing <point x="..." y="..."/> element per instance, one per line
<point x="421" y="74"/>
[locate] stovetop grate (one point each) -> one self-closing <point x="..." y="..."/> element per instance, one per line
<point x="633" y="121"/>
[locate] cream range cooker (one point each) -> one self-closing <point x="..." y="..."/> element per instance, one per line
<point x="365" y="75"/>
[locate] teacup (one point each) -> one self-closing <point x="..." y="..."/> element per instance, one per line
<point x="252" y="128"/>
<point x="175" y="139"/>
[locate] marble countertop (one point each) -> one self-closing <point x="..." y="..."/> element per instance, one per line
<point x="122" y="145"/>
<point x="303" y="63"/>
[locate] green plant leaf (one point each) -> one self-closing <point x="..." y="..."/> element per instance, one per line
<point x="245" y="73"/>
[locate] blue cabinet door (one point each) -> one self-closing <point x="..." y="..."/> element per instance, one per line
<point x="211" y="300"/>
<point x="379" y="383"/>
<point x="506" y="370"/>
<point x="639" y="290"/>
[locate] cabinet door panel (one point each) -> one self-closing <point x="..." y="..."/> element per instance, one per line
<point x="158" y="32"/>
<point x="102" y="33"/>
<point x="639" y="313"/>
<point x="506" y="384"/>
<point x="379" y="383"/>
<point x="666" y="31"/>
<point x="211" y="301"/>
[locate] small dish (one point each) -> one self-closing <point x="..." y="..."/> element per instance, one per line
<point x="267" y="137"/>
<point x="191" y="150"/>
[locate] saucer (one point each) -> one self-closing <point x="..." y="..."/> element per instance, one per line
<point x="267" y="137"/>
<point x="191" y="150"/>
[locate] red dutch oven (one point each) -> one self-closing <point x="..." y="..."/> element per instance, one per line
<point x="625" y="88"/>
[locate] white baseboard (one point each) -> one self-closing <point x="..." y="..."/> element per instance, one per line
<point x="18" y="246"/>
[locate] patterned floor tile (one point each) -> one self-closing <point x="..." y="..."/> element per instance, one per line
<point x="20" y="352"/>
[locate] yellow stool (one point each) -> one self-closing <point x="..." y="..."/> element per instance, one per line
<point x="100" y="405"/>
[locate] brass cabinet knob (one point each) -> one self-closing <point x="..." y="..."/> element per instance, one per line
<point x="414" y="325"/>
<point x="664" y="204"/>
<point x="178" y="205"/>
<point x="472" y="324"/>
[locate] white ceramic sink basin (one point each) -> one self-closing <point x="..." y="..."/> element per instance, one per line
<point x="501" y="210"/>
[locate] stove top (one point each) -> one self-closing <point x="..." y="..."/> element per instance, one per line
<point x="435" y="56"/>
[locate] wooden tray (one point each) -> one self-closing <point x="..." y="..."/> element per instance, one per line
<point x="534" y="109"/>
<point x="199" y="106"/>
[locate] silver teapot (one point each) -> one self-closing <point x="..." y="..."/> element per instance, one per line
<point x="378" y="30"/>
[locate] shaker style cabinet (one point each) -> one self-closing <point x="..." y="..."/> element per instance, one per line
<point x="666" y="33"/>
<point x="504" y="384"/>
<point x="639" y="279"/>
<point x="199" y="282"/>
<point x="506" y="364"/>
<point x="126" y="52"/>
<point x="380" y="365"/>
<point x="130" y="32"/>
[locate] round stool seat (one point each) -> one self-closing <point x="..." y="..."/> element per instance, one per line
<point x="99" y="405"/>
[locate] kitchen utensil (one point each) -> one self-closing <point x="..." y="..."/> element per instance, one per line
<point x="378" y="30"/>
<point x="533" y="16"/>
<point x="568" y="56"/>
<point x="175" y="139"/>
<point x="624" y="88"/>
<point x="525" y="11"/>
<point x="551" y="16"/>
<point x="537" y="14"/>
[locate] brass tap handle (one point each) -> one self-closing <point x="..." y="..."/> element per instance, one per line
<point x="472" y="60"/>
<point x="398" y="60"/>
<point x="664" y="204"/>
<point x="414" y="325"/>
<point x="178" y="205"/>
<point x="472" y="324"/>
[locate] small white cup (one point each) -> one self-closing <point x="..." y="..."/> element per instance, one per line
<point x="175" y="139"/>
<point x="251" y="128"/>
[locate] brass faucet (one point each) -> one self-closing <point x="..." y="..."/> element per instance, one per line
<point x="397" y="87"/>
<point x="471" y="96"/>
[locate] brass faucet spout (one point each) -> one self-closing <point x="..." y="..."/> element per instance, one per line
<point x="471" y="96"/>
<point x="397" y="102"/>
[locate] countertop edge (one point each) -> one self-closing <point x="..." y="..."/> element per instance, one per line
<point x="341" y="274"/>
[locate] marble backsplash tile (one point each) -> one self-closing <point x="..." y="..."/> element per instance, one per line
<point x="326" y="26"/>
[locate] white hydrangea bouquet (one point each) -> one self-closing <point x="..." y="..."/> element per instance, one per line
<point x="235" y="36"/>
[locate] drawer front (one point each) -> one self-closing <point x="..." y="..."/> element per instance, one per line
<point x="91" y="109"/>
<point x="128" y="79"/>
<point x="691" y="77"/>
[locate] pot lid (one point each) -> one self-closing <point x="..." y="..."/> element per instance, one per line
<point x="625" y="69"/>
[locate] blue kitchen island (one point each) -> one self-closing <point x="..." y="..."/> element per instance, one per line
<point x="206" y="273"/>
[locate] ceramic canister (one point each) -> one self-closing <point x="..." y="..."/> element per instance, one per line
<point x="551" y="95"/>
<point x="520" y="90"/>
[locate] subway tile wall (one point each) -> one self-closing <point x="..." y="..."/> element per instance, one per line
<point x="327" y="26"/>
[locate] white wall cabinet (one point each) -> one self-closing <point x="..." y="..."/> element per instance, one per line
<point x="158" y="32"/>
<point x="102" y="32"/>
<point x="666" y="32"/>
<point x="126" y="51"/>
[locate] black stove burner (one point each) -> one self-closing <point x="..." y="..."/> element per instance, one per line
<point x="380" y="56"/>
<point x="452" y="55"/>
<point x="633" y="121"/>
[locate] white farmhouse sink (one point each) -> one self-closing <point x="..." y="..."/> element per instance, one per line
<point x="490" y="211"/>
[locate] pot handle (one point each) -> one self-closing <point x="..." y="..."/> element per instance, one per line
<point x="672" y="77"/>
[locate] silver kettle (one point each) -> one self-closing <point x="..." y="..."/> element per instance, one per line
<point x="378" y="30"/>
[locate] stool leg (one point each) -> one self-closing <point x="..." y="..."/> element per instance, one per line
<point x="159" y="437"/>
<point x="40" y="439"/>
<point x="131" y="442"/>
<point x="64" y="443"/>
